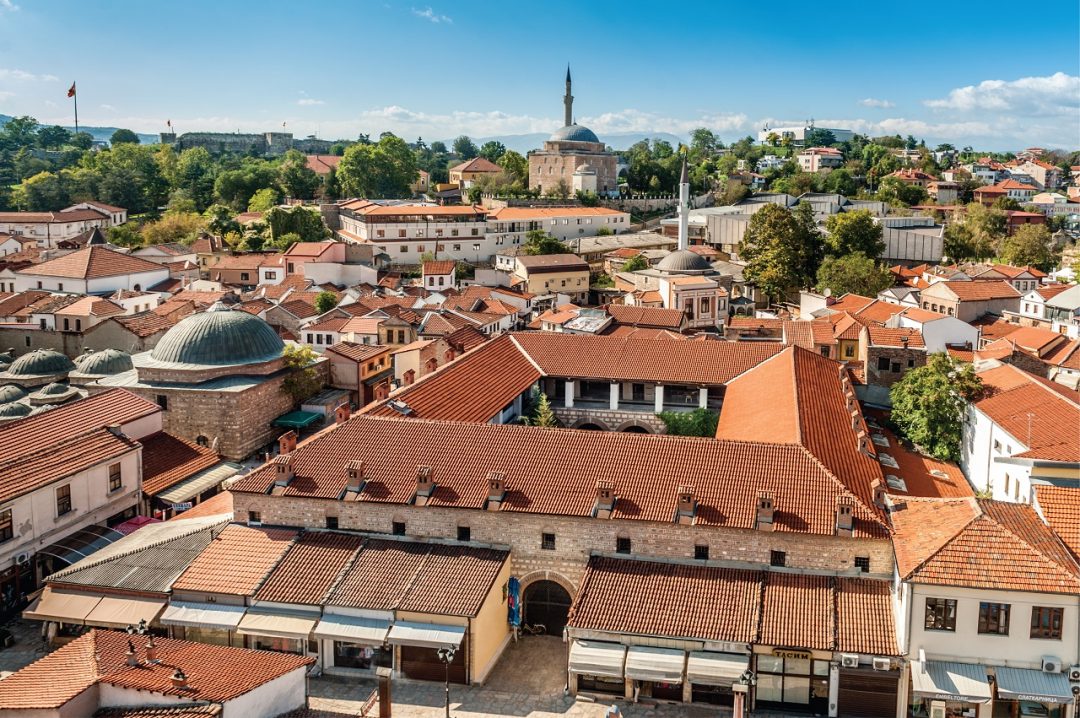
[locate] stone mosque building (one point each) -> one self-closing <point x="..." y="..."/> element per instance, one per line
<point x="575" y="155"/>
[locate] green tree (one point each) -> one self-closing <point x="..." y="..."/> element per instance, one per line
<point x="304" y="222"/>
<point x="929" y="403"/>
<point x="20" y="132"/>
<point x="853" y="273"/>
<point x="987" y="227"/>
<point x="699" y="422"/>
<point x="53" y="137"/>
<point x="125" y="235"/>
<point x="515" y="166"/>
<point x="850" y="232"/>
<point x="82" y="140"/>
<point x="543" y="415"/>
<point x="220" y="221"/>
<point x="123" y="136"/>
<point x="635" y="264"/>
<point x="297" y="179"/>
<point x="1029" y="245"/>
<point x="174" y="227"/>
<point x="537" y="242"/>
<point x="897" y="192"/>
<point x="1006" y="203"/>
<point x="263" y="200"/>
<point x="325" y="301"/>
<point x="303" y="380"/>
<point x="235" y="187"/>
<point x="773" y="250"/>
<point x="130" y="176"/>
<point x="378" y="171"/>
<point x="604" y="231"/>
<point x="819" y="137"/>
<point x="331" y="190"/>
<point x="194" y="174"/>
<point x="44" y="192"/>
<point x="465" y="148"/>
<point x="492" y="150"/>
<point x="703" y="143"/>
<point x="840" y="181"/>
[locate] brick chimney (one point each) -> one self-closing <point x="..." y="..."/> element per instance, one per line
<point x="115" y="430"/>
<point x="879" y="493"/>
<point x="845" y="514"/>
<point x="425" y="486"/>
<point x="354" y="476"/>
<point x="605" y="499"/>
<point x="496" y="490"/>
<point x="179" y="679"/>
<point x="287" y="442"/>
<point x="764" y="521"/>
<point x="131" y="655"/>
<point x="342" y="413"/>
<point x="151" y="650"/>
<point x="283" y="470"/>
<point x="687" y="505"/>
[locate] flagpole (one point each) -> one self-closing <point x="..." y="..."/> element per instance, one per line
<point x="75" y="97"/>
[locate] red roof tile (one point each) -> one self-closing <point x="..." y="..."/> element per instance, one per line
<point x="1060" y="506"/>
<point x="169" y="459"/>
<point x="443" y="266"/>
<point x="654" y="317"/>
<point x="237" y="561"/>
<point x="310" y="569"/>
<point x="92" y="263"/>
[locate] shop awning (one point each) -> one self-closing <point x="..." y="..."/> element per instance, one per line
<point x="123" y="611"/>
<point x="429" y="635"/>
<point x="352" y="629"/>
<point x="1019" y="684"/>
<point x="664" y="665"/>
<point x="297" y="419"/>
<point x="950" y="681"/>
<point x="597" y="658"/>
<point x="202" y="615"/>
<point x="278" y="624"/>
<point x="715" y="669"/>
<point x="192" y="486"/>
<point x="61" y="606"/>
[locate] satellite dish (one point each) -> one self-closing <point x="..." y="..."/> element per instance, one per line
<point x="827" y="292"/>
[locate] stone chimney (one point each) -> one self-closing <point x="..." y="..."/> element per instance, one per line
<point x="425" y="486"/>
<point x="687" y="505"/>
<point x="342" y="413"/>
<point x="605" y="499"/>
<point x="764" y="520"/>
<point x="287" y="442"/>
<point x="283" y="470"/>
<point x="845" y="514"/>
<point x="151" y="650"/>
<point x="179" y="679"/>
<point x="354" y="476"/>
<point x="496" y="490"/>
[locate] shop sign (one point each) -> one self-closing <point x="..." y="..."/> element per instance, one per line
<point x="792" y="653"/>
<point x="1040" y="699"/>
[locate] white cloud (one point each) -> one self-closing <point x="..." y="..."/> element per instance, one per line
<point x="8" y="5"/>
<point x="432" y="16"/>
<point x="874" y="102"/>
<point x="6" y="95"/>
<point x="631" y="120"/>
<point x="108" y="108"/>
<point x="23" y="76"/>
<point x="1057" y="94"/>
<point x="309" y="102"/>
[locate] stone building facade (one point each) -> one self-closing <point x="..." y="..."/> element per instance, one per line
<point x="271" y="144"/>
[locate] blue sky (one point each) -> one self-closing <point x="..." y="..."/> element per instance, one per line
<point x="990" y="76"/>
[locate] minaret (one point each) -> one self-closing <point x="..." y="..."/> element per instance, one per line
<point x="568" y="102"/>
<point x="684" y="208"/>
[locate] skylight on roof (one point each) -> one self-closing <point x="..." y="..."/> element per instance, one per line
<point x="895" y="482"/>
<point x="888" y="461"/>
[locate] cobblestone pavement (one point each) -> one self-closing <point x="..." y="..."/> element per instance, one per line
<point x="28" y="645"/>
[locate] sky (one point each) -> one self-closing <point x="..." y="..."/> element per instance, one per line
<point x="990" y="76"/>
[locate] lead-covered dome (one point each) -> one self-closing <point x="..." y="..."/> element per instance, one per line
<point x="574" y="133"/>
<point x="104" y="363"/>
<point x="219" y="337"/>
<point x="11" y="392"/>
<point x="40" y="362"/>
<point x="684" y="260"/>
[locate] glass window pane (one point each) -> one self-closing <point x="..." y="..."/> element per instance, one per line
<point x="770" y="688"/>
<point x="821" y="668"/>
<point x="796" y="690"/>
<point x="770" y="664"/>
<point x="797" y="666"/>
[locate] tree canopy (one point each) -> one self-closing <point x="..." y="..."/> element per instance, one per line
<point x="782" y="249"/>
<point x="123" y="136"/>
<point x="929" y="404"/>
<point x="382" y="170"/>
<point x="853" y="273"/>
<point x="851" y="232"/>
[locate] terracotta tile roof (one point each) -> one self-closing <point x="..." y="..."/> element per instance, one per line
<point x="311" y="567"/>
<point x="92" y="263"/>
<point x="1065" y="355"/>
<point x="91" y="306"/>
<point x="11" y="303"/>
<point x="654" y="317"/>
<point x="865" y="619"/>
<point x="62" y="458"/>
<point x="922" y="316"/>
<point x="622" y="331"/>
<point x="466" y="338"/>
<point x="442" y="266"/>
<point x="554" y="471"/>
<point x="1049" y="291"/>
<point x="216" y="505"/>
<point x="980" y="544"/>
<point x="254" y="306"/>
<point x="1035" y="339"/>
<point x="991" y="327"/>
<point x="1042" y="417"/>
<point x="146" y="324"/>
<point x="100" y="657"/>
<point x="421" y="577"/>
<point x="755" y="323"/>
<point x="249" y="262"/>
<point x="846" y="326"/>
<point x="922" y="475"/>
<point x="476" y="164"/>
<point x="788" y="595"/>
<point x="553" y="263"/>
<point x="299" y="308"/>
<point x="1060" y="506"/>
<point x="668" y="599"/>
<point x="330" y="324"/>
<point x="322" y="164"/>
<point x="517" y="213"/>
<point x="878" y="311"/>
<point x="357" y="352"/>
<point x="169" y="459"/>
<point x="160" y="712"/>
<point x="977" y="290"/>
<point x="309" y="249"/>
<point x="965" y="355"/>
<point x="851" y="303"/>
<point x="237" y="561"/>
<point x="900" y="337"/>
<point x="442" y="323"/>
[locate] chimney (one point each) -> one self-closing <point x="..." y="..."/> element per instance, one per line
<point x="425" y="487"/>
<point x="845" y="514"/>
<point x="341" y="414"/>
<point x="496" y="490"/>
<point x="354" y="476"/>
<point x="904" y="341"/>
<point x="287" y="442"/>
<point x="605" y="499"/>
<point x="765" y="511"/>
<point x="151" y="650"/>
<point x="283" y="470"/>
<point x="179" y="679"/>
<point x="132" y="657"/>
<point x="114" y="429"/>
<point x="687" y="505"/>
<point x="879" y="493"/>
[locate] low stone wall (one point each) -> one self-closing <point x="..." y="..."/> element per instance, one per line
<point x="618" y="420"/>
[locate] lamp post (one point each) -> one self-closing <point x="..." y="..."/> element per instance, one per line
<point x="446" y="655"/>
<point x="741" y="689"/>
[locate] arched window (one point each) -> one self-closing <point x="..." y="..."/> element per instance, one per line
<point x="202" y="440"/>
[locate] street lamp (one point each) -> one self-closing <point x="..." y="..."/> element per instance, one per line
<point x="446" y="655"/>
<point x="741" y="689"/>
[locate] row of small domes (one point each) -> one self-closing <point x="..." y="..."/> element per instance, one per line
<point x="47" y="362"/>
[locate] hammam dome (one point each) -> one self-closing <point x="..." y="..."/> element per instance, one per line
<point x="219" y="336"/>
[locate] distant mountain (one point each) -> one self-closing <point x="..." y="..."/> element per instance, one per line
<point x="535" y="140"/>
<point x="98" y="133"/>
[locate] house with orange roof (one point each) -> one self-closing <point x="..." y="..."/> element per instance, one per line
<point x="510" y="225"/>
<point x="92" y="270"/>
<point x="405" y="232"/>
<point x="988" y="605"/>
<point x="889" y="353"/>
<point x="972" y="299"/>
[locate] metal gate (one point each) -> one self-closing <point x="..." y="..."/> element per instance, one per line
<point x="548" y="603"/>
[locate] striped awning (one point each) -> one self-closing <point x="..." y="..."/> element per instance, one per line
<point x="202" y="615"/>
<point x="597" y="658"/>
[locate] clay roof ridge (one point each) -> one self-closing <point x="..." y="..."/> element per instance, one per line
<point x="517" y="344"/>
<point x="844" y="488"/>
<point x="977" y="514"/>
<point x="795" y="386"/>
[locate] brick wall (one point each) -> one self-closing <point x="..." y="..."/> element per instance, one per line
<point x="902" y="359"/>
<point x="575" y="537"/>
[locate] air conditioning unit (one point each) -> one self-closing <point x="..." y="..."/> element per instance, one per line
<point x="21" y="559"/>
<point x="1051" y="664"/>
<point x="849" y="660"/>
<point x="882" y="664"/>
<point x="1074" y="674"/>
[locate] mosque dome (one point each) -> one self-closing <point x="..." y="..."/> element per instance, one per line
<point x="14" y="411"/>
<point x="40" y="362"/>
<point x="574" y="133"/>
<point x="684" y="260"/>
<point x="11" y="392"/>
<point x="52" y="394"/>
<point x="104" y="363"/>
<point x="219" y="337"/>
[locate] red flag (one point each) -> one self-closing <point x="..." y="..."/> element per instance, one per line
<point x="169" y="123"/>
<point x="71" y="90"/>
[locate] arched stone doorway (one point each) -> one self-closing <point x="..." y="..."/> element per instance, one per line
<point x="590" y="426"/>
<point x="548" y="603"/>
<point x="634" y="429"/>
